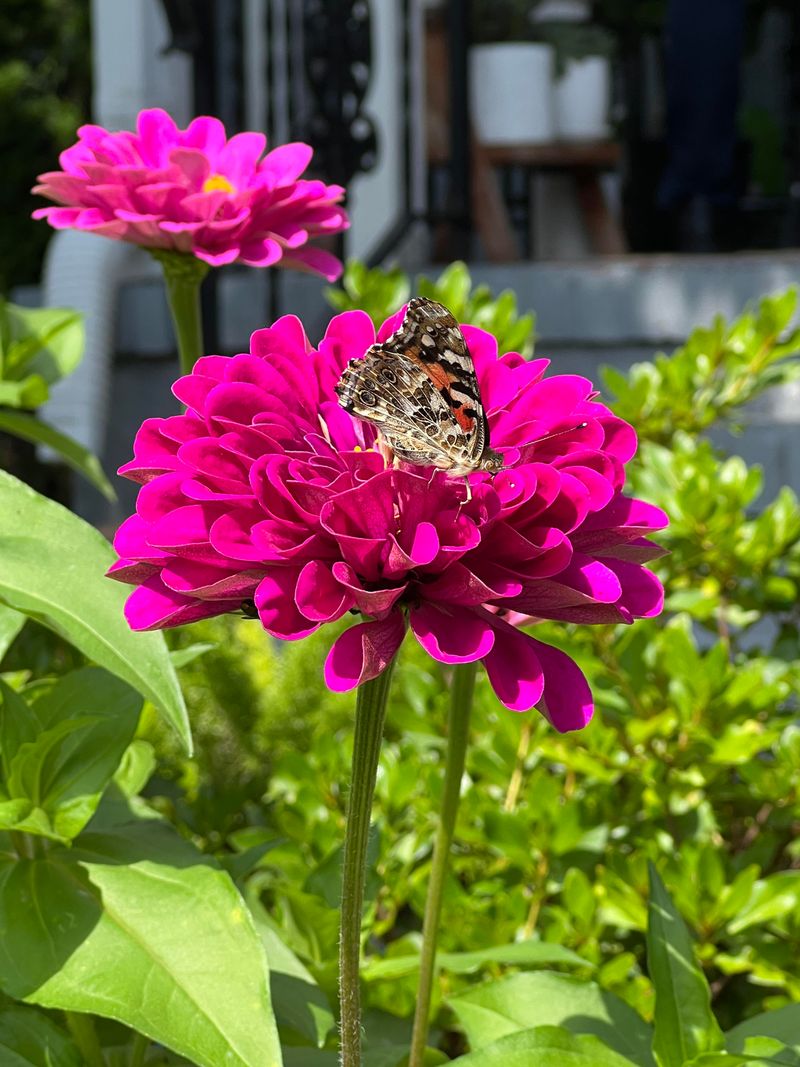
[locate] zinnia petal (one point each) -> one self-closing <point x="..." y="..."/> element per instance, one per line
<point x="363" y="652"/>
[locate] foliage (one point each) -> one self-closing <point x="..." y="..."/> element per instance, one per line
<point x="44" y="96"/>
<point x="500" y="21"/>
<point x="573" y="41"/>
<point x="561" y="942"/>
<point x="38" y="347"/>
<point x="382" y="292"/>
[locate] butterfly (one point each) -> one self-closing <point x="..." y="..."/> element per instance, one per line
<point x="420" y="389"/>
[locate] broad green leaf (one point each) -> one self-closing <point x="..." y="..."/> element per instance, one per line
<point x="544" y="1046"/>
<point x="29" y="428"/>
<point x="521" y="953"/>
<point x="544" y="998"/>
<point x="182" y="657"/>
<point x="30" y="392"/>
<point x="756" y="1051"/>
<point x="45" y="341"/>
<point x="298" y="1002"/>
<point x="15" y="813"/>
<point x="136" y="767"/>
<point x="772" y="898"/>
<point x="685" y="1026"/>
<point x="18" y="726"/>
<point x="11" y="623"/>
<point x="52" y="568"/>
<point x="136" y="925"/>
<point x="782" y="1024"/>
<point x="86" y="721"/>
<point x="34" y="762"/>
<point x="29" y="1039"/>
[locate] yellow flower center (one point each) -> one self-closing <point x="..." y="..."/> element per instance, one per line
<point x="217" y="183"/>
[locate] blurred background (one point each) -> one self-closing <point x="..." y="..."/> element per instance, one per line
<point x="630" y="168"/>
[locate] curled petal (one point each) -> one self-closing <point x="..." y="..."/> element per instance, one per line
<point x="363" y="652"/>
<point x="276" y="605"/>
<point x="451" y="637"/>
<point x="319" y="596"/>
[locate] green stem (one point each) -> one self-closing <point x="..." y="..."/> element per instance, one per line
<point x="370" y="715"/>
<point x="461" y="694"/>
<point x="85" y="1036"/>
<point x="21" y="843"/>
<point x="183" y="276"/>
<point x="139" y="1049"/>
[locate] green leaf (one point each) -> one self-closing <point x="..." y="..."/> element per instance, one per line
<point x="182" y="657"/>
<point x="136" y="767"/>
<point x="543" y="998"/>
<point x="30" y="428"/>
<point x="29" y="1039"/>
<point x="760" y="1051"/>
<point x="300" y="1005"/>
<point x="520" y="953"/>
<point x="18" y="726"/>
<point x="544" y="1046"/>
<point x="45" y="341"/>
<point x="31" y="392"/>
<point x="782" y="1024"/>
<point x="11" y="623"/>
<point x="684" y="1023"/>
<point x="772" y="898"/>
<point x="52" y="568"/>
<point x="134" y="924"/>
<point x="86" y="721"/>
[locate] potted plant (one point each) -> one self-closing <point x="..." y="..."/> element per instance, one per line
<point x="582" y="86"/>
<point x="511" y="75"/>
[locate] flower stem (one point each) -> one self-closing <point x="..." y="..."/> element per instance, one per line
<point x="370" y="715"/>
<point x="183" y="276"/>
<point x="139" y="1050"/>
<point x="461" y="694"/>
<point x="85" y="1036"/>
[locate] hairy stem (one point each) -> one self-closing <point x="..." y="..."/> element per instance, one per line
<point x="370" y="715"/>
<point x="462" y="690"/>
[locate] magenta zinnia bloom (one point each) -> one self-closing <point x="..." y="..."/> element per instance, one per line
<point x="196" y="191"/>
<point x="266" y="493"/>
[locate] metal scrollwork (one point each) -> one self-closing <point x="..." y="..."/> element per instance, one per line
<point x="338" y="54"/>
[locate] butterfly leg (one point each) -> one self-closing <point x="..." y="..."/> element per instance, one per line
<point x="385" y="449"/>
<point x="469" y="490"/>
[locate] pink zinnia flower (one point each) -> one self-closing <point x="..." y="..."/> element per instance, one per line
<point x="196" y="191"/>
<point x="265" y="493"/>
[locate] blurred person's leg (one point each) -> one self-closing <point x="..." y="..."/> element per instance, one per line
<point x="703" y="60"/>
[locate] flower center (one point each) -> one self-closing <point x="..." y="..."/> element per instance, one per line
<point x="217" y="183"/>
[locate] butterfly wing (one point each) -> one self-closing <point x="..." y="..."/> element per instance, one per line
<point x="431" y="337"/>
<point x="394" y="394"/>
<point x="419" y="387"/>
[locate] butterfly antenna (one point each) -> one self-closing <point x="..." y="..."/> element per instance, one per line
<point x="559" y="433"/>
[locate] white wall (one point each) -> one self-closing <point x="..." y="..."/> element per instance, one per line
<point x="130" y="72"/>
<point x="375" y="198"/>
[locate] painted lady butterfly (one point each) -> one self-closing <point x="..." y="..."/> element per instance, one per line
<point x="419" y="388"/>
